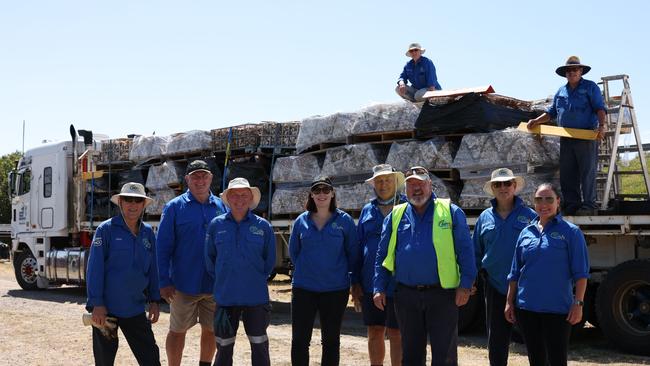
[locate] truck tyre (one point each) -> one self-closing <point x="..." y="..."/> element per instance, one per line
<point x="623" y="306"/>
<point x="25" y="268"/>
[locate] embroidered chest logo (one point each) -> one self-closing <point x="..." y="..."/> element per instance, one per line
<point x="556" y="235"/>
<point x="256" y="231"/>
<point x="146" y="243"/>
<point x="97" y="242"/>
<point x="523" y="219"/>
<point x="336" y="226"/>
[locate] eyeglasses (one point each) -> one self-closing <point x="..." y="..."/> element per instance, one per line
<point x="545" y="199"/>
<point x="507" y="183"/>
<point x="132" y="199"/>
<point x="417" y="171"/>
<point x="321" y="189"/>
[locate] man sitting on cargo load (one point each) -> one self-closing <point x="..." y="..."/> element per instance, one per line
<point x="578" y="104"/>
<point x="122" y="277"/>
<point x="184" y="281"/>
<point x="420" y="72"/>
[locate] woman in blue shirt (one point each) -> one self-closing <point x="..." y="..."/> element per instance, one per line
<point x="323" y="247"/>
<point x="495" y="237"/>
<point x="550" y="259"/>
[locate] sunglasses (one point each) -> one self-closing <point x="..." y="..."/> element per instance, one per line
<point x="570" y="69"/>
<point x="132" y="199"/>
<point x="414" y="50"/>
<point x="507" y="183"/>
<point x="321" y="189"/>
<point x="545" y="199"/>
<point x="416" y="171"/>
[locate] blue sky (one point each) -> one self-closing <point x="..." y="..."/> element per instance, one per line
<point x="120" y="67"/>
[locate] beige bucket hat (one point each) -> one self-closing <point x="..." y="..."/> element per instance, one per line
<point x="132" y="189"/>
<point x="503" y="175"/>
<point x="242" y="183"/>
<point x="386" y="169"/>
<point x="572" y="61"/>
<point x="415" y="46"/>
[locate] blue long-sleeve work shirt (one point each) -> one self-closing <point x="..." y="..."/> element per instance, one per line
<point x="421" y="74"/>
<point x="122" y="273"/>
<point x="415" y="256"/>
<point x="323" y="259"/>
<point x="495" y="239"/>
<point x="369" y="228"/>
<point x="577" y="108"/>
<point x="181" y="241"/>
<point x="240" y="258"/>
<point x="546" y="265"/>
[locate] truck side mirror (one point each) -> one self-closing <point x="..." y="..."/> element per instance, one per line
<point x="11" y="186"/>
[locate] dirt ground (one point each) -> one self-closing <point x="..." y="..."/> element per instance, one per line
<point x="44" y="328"/>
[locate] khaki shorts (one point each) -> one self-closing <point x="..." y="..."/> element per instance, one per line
<point x="187" y="310"/>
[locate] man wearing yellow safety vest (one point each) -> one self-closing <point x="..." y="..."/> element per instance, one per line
<point x="426" y="245"/>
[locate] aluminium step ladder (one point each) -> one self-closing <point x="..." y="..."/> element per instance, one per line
<point x="621" y="119"/>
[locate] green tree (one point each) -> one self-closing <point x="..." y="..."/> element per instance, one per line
<point x="7" y="163"/>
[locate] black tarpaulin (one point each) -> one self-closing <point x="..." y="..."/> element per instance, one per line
<point x="471" y="113"/>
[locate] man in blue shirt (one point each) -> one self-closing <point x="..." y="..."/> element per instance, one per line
<point x="425" y="309"/>
<point x="578" y="104"/>
<point x="184" y="281"/>
<point x="122" y="277"/>
<point x="420" y="72"/>
<point x="385" y="182"/>
<point x="240" y="255"/>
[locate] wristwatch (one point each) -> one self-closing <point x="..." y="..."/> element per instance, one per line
<point x="578" y="302"/>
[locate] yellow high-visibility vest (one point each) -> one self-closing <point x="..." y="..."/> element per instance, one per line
<point x="443" y="242"/>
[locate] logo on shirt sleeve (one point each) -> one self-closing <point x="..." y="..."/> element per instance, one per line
<point x="97" y="242"/>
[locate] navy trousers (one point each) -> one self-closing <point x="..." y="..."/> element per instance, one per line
<point x="226" y="322"/>
<point x="498" y="328"/>
<point x="578" y="162"/>
<point x="139" y="336"/>
<point x="546" y="336"/>
<point x="428" y="314"/>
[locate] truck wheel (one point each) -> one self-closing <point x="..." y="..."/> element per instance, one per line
<point x="623" y="306"/>
<point x="25" y="268"/>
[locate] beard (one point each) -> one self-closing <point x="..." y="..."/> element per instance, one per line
<point x="418" y="200"/>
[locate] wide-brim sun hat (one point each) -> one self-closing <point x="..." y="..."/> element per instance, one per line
<point x="415" y="46"/>
<point x="242" y="183"/>
<point x="503" y="175"/>
<point x="132" y="189"/>
<point x="572" y="61"/>
<point x="383" y="170"/>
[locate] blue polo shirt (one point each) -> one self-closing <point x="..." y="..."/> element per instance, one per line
<point x="415" y="257"/>
<point x="122" y="273"/>
<point x="240" y="258"/>
<point x="421" y="74"/>
<point x="576" y="108"/>
<point x="369" y="232"/>
<point x="323" y="259"/>
<point x="495" y="239"/>
<point x="181" y="240"/>
<point x="547" y="264"/>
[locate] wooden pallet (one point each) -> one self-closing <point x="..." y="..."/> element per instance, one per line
<point x="448" y="174"/>
<point x="384" y="136"/>
<point x="322" y="147"/>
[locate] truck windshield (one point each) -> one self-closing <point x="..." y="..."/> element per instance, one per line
<point x="25" y="180"/>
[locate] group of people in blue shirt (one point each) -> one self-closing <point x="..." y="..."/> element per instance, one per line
<point x="410" y="262"/>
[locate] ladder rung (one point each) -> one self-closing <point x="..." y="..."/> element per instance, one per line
<point x="632" y="195"/>
<point x="614" y="77"/>
<point x="613" y="110"/>
<point x="628" y="172"/>
<point x="645" y="147"/>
